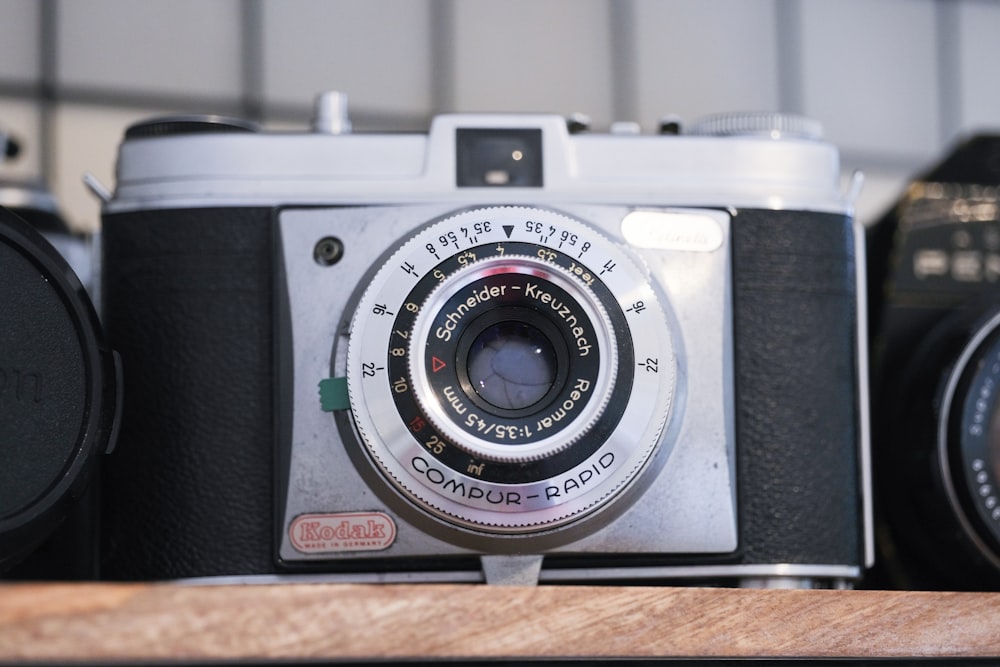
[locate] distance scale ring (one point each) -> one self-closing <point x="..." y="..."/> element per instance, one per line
<point x="564" y="483"/>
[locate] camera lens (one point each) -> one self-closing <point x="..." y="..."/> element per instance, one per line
<point x="504" y="294"/>
<point x="969" y="440"/>
<point x="512" y="365"/>
<point x="502" y="383"/>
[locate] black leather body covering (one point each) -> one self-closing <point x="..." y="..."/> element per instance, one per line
<point x="797" y="420"/>
<point x="188" y="302"/>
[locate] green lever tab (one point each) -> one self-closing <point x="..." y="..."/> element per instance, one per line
<point x="333" y="394"/>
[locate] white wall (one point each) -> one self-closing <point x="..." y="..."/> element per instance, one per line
<point x="894" y="82"/>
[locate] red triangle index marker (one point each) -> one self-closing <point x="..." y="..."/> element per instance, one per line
<point x="437" y="364"/>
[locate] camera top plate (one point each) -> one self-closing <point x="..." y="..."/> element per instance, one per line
<point x="514" y="157"/>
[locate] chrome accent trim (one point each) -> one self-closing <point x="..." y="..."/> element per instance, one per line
<point x="864" y="397"/>
<point x="562" y="575"/>
<point x="705" y="572"/>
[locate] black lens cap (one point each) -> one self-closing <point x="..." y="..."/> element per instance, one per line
<point x="59" y="388"/>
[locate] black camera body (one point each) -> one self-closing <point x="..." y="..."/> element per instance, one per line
<point x="499" y="351"/>
<point x="935" y="276"/>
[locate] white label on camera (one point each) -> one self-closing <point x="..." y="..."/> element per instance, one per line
<point x="693" y="231"/>
<point x="342" y="531"/>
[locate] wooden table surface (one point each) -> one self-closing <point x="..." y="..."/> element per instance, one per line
<point x="102" y="622"/>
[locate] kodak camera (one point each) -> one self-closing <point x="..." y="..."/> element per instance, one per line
<point x="501" y="351"/>
<point x="935" y="264"/>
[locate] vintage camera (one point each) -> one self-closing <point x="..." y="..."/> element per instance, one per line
<point x="59" y="390"/>
<point x="499" y="351"/>
<point x="935" y="267"/>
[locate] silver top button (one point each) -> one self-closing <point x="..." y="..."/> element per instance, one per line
<point x="330" y="114"/>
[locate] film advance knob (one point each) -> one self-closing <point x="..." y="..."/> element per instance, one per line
<point x="758" y="124"/>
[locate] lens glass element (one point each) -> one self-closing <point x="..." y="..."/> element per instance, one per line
<point x="512" y="365"/>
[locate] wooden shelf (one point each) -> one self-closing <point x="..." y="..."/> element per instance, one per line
<point x="103" y="622"/>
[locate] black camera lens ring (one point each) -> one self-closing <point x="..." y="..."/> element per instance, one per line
<point x="60" y="390"/>
<point x="969" y="442"/>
